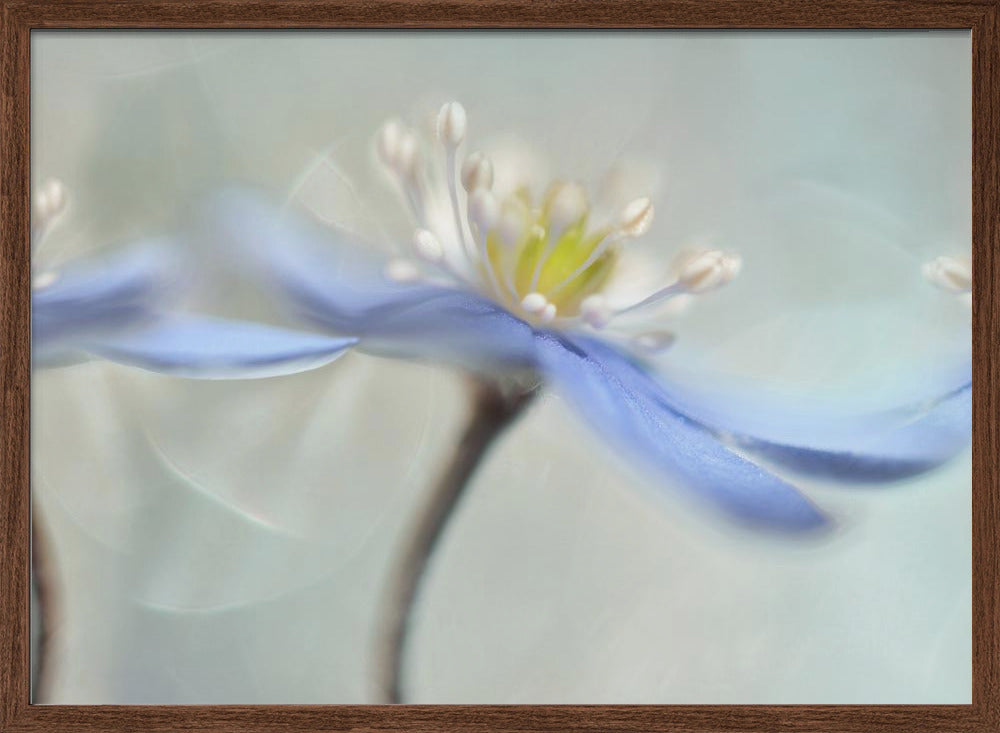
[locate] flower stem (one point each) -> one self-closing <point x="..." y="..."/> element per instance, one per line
<point x="43" y="584"/>
<point x="494" y="408"/>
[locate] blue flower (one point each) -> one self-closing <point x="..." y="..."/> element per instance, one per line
<point x="119" y="307"/>
<point x="509" y="285"/>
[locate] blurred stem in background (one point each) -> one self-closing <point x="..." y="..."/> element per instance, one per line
<point x="43" y="583"/>
<point x="495" y="406"/>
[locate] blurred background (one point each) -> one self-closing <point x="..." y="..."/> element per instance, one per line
<point x="227" y="542"/>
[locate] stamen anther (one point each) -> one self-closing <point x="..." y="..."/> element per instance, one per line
<point x="451" y="123"/>
<point x="636" y="218"/>
<point x="548" y="313"/>
<point x="50" y="199"/>
<point x="568" y="206"/>
<point x="44" y="279"/>
<point x="484" y="211"/>
<point x="402" y="271"/>
<point x="407" y="154"/>
<point x="706" y="271"/>
<point x="428" y="246"/>
<point x="510" y="227"/>
<point x="595" y="311"/>
<point x="950" y="273"/>
<point x="387" y="143"/>
<point x="534" y="303"/>
<point x="477" y="172"/>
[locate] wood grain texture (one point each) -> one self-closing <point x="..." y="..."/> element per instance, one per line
<point x="17" y="18"/>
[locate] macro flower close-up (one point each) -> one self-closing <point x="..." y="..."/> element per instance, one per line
<point x="502" y="282"/>
<point x="560" y="368"/>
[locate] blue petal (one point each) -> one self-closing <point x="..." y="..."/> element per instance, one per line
<point x="916" y="446"/>
<point x="201" y="347"/>
<point x="331" y="282"/>
<point x="101" y="294"/>
<point x="624" y="404"/>
<point x="875" y="446"/>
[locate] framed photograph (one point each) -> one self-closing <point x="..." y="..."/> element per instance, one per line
<point x="499" y="366"/>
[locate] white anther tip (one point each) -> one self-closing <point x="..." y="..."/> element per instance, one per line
<point x="427" y="246"/>
<point x="477" y="172"/>
<point x="534" y="303"/>
<point x="451" y="123"/>
<point x="568" y="206"/>
<point x="637" y="217"/>
<point x="387" y="142"/>
<point x="709" y="270"/>
<point x="51" y="198"/>
<point x="483" y="210"/>
<point x="44" y="279"/>
<point x="595" y="311"/>
<point x="407" y="153"/>
<point x="402" y="271"/>
<point x="950" y="273"/>
<point x="511" y="224"/>
<point x="732" y="265"/>
<point x="548" y="313"/>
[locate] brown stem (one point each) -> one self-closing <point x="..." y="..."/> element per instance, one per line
<point x="494" y="409"/>
<point x="43" y="583"/>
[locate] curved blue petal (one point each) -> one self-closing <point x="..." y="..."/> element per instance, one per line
<point x="875" y="446"/>
<point x="927" y="440"/>
<point x="624" y="404"/>
<point x="331" y="282"/>
<point x="101" y="294"/>
<point x="202" y="347"/>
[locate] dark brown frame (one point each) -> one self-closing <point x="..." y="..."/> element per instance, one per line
<point x="19" y="17"/>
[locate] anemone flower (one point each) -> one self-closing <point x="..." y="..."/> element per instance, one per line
<point x="521" y="291"/>
<point x="119" y="307"/>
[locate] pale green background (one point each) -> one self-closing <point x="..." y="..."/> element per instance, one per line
<point x="227" y="542"/>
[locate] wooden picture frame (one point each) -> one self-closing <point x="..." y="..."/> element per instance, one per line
<point x="20" y="17"/>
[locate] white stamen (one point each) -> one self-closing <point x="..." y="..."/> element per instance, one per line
<point x="548" y="313"/>
<point x="670" y="291"/>
<point x="636" y="218"/>
<point x="654" y="342"/>
<point x="456" y="210"/>
<point x="407" y="158"/>
<point x="707" y="270"/>
<point x="477" y="172"/>
<point x="44" y="279"/>
<point x="428" y="246"/>
<point x="950" y="273"/>
<point x="402" y="271"/>
<point x="483" y="214"/>
<point x="534" y="303"/>
<point x="387" y="143"/>
<point x="567" y="208"/>
<point x="510" y="227"/>
<point x="50" y="200"/>
<point x="595" y="311"/>
<point x="483" y="210"/>
<point x="451" y="122"/>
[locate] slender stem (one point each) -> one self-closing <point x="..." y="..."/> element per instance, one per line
<point x="494" y="409"/>
<point x="43" y="583"/>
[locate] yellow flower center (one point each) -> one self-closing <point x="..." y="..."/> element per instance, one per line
<point x="543" y="259"/>
<point x="533" y="249"/>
